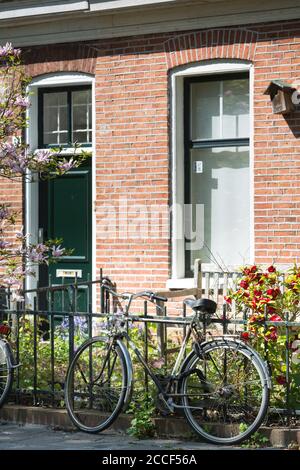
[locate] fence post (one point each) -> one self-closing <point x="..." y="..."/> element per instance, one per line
<point x="72" y="314"/>
<point x="198" y="277"/>
<point x="102" y="290"/>
<point x="161" y="331"/>
<point x="287" y="372"/>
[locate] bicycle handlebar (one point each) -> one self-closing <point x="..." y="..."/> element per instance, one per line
<point x="152" y="296"/>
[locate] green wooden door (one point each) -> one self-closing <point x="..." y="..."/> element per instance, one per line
<point x="67" y="207"/>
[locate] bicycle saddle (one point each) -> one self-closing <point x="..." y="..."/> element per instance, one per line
<point x="202" y="305"/>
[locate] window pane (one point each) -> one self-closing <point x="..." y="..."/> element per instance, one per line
<point x="220" y="109"/>
<point x="205" y="110"/>
<point x="219" y="184"/>
<point x="81" y="116"/>
<point x="81" y="97"/>
<point x="50" y="139"/>
<point x="50" y="120"/>
<point x="57" y="111"/>
<point x="55" y="99"/>
<point x="63" y="119"/>
<point x="55" y="117"/>
<point x="80" y="137"/>
<point x="235" y="108"/>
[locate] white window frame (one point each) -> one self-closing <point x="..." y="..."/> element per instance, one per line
<point x="177" y="77"/>
<point x="32" y="187"/>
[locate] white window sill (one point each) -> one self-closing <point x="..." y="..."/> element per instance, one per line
<point x="187" y="283"/>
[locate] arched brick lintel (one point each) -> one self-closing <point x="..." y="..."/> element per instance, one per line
<point x="60" y="58"/>
<point x="210" y="44"/>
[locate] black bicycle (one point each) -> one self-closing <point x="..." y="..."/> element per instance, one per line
<point x="222" y="385"/>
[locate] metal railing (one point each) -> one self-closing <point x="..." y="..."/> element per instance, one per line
<point x="46" y="335"/>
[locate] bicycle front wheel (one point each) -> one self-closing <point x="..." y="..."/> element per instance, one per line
<point x="96" y="385"/>
<point x="6" y="372"/>
<point x="225" y="391"/>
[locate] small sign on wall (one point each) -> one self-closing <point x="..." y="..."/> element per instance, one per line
<point x="198" y="166"/>
<point x="69" y="273"/>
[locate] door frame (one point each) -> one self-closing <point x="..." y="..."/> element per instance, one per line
<point x="31" y="204"/>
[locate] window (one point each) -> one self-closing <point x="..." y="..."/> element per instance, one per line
<point x="216" y="189"/>
<point x="65" y="116"/>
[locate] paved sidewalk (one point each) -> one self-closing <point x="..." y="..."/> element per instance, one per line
<point x="35" y="437"/>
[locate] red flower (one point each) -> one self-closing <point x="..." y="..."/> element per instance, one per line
<point x="271" y="309"/>
<point x="228" y="299"/>
<point x="245" y="336"/>
<point x="4" y="330"/>
<point x="264" y="300"/>
<point x="271" y="335"/>
<point x="253" y="269"/>
<point x="244" y="284"/>
<point x="271" y="269"/>
<point x="257" y="293"/>
<point x="275" y="317"/>
<point x="246" y="271"/>
<point x="281" y="380"/>
<point x="274" y="292"/>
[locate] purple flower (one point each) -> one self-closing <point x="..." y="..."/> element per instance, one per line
<point x="42" y="156"/>
<point x="57" y="251"/>
<point x="66" y="165"/>
<point x="22" y="101"/>
<point x="9" y="50"/>
<point x="4" y="212"/>
<point x="4" y="244"/>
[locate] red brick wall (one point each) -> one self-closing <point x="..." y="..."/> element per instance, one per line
<point x="132" y="136"/>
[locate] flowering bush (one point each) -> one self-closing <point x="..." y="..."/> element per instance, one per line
<point x="18" y="161"/>
<point x="267" y="294"/>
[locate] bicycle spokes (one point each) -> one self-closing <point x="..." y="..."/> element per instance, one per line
<point x="223" y="392"/>
<point x="96" y="384"/>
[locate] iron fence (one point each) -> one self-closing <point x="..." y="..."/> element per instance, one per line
<point x="46" y="333"/>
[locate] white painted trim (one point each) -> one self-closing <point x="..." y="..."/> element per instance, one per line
<point x="159" y="18"/>
<point x="94" y="199"/>
<point x="14" y="10"/>
<point x="96" y="5"/>
<point x="31" y="189"/>
<point x="187" y="283"/>
<point x="61" y="79"/>
<point x="251" y="162"/>
<point x="177" y="155"/>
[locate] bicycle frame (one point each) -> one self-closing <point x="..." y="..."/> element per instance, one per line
<point x="191" y="331"/>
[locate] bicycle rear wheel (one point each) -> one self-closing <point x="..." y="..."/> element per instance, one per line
<point x="6" y="371"/>
<point x="225" y="391"/>
<point x="96" y="385"/>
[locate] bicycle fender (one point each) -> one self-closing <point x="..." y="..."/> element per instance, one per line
<point x="129" y="373"/>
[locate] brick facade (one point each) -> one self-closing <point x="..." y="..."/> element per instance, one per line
<point x="133" y="136"/>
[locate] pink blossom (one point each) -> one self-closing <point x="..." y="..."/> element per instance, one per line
<point x="22" y="101"/>
<point x="42" y="156"/>
<point x="66" y="165"/>
<point x="9" y="50"/>
<point x="57" y="251"/>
